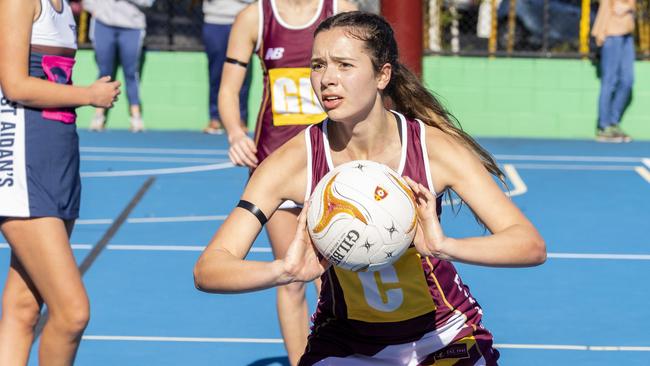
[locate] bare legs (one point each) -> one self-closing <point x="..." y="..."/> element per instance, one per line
<point x="291" y="302"/>
<point x="43" y="270"/>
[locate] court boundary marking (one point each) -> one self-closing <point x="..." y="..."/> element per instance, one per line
<point x="582" y="158"/>
<point x="152" y="159"/>
<point x="148" y="150"/>
<point x="220" y="152"/>
<point x="559" y="347"/>
<point x="159" y="171"/>
<point x="267" y="249"/>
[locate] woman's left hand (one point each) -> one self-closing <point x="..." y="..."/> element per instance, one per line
<point x="429" y="239"/>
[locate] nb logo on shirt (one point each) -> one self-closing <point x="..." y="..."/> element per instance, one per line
<point x="274" y="53"/>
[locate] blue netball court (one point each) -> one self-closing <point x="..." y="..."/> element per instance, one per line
<point x="152" y="201"/>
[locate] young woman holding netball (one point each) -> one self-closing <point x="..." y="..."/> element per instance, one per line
<point x="356" y="73"/>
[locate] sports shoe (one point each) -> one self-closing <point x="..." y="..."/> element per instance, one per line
<point x="214" y="128"/>
<point x="137" y="125"/>
<point x="97" y="123"/>
<point x="617" y="130"/>
<point x="608" y="134"/>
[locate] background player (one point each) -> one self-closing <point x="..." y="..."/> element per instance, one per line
<point x="432" y="315"/>
<point x="280" y="32"/>
<point x="40" y="194"/>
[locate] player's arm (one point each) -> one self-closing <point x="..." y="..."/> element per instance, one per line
<point x="16" y="18"/>
<point x="344" y="5"/>
<point x="241" y="44"/>
<point x="222" y="267"/>
<point x="514" y="241"/>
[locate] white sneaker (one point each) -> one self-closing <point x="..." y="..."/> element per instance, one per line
<point x="97" y="123"/>
<point x="137" y="125"/>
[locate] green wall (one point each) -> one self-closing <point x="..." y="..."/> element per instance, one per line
<point x="490" y="97"/>
<point x="531" y="97"/>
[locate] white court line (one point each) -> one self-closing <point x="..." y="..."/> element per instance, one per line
<point x="562" y="347"/>
<point x="148" y="172"/>
<point x="74" y="246"/>
<point x="279" y="341"/>
<point x="150" y="159"/>
<point x="171" y="248"/>
<point x="152" y="220"/>
<point x="641" y="257"/>
<point x="643" y="172"/>
<point x="94" y="222"/>
<point x="153" y="248"/>
<point x="174" y="248"/>
<point x="646" y="161"/>
<point x="181" y="339"/>
<point x="266" y="249"/>
<point x="519" y="187"/>
<point x="574" y="167"/>
<point x="596" y="159"/>
<point x="140" y="150"/>
<point x="143" y="220"/>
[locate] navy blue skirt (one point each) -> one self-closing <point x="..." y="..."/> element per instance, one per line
<point x="39" y="152"/>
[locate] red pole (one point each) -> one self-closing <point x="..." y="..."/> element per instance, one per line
<point x="405" y="16"/>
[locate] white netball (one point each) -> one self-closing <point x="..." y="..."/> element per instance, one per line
<point x="362" y="216"/>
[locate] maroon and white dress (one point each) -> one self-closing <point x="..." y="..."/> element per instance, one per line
<point x="289" y="103"/>
<point x="417" y="311"/>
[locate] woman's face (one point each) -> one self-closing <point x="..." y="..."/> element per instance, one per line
<point x="343" y="76"/>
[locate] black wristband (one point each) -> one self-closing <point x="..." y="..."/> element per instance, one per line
<point x="231" y="60"/>
<point x="254" y="210"/>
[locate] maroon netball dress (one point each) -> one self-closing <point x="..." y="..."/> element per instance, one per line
<point x="289" y="103"/>
<point x="416" y="311"/>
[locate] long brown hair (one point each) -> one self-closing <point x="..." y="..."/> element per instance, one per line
<point x="405" y="91"/>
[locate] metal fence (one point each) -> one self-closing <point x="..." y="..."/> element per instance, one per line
<point x="531" y="28"/>
<point x="176" y="24"/>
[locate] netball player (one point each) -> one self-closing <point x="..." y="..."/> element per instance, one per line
<point x="281" y="33"/>
<point x="429" y="315"/>
<point x="39" y="178"/>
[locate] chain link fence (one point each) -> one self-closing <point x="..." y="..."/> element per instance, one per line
<point x="175" y="24"/>
<point x="531" y="28"/>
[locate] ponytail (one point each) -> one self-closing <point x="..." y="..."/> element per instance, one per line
<point x="410" y="97"/>
<point x="405" y="92"/>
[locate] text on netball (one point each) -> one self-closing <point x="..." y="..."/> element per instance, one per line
<point x="345" y="246"/>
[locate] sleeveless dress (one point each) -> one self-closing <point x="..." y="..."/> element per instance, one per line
<point x="417" y="311"/>
<point x="39" y="148"/>
<point x="289" y="104"/>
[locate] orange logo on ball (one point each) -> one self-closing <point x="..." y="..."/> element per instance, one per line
<point x="380" y="193"/>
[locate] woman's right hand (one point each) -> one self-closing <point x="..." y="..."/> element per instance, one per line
<point x="302" y="263"/>
<point x="104" y="92"/>
<point x="242" y="150"/>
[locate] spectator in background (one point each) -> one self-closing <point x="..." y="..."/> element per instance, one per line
<point x="613" y="30"/>
<point x="218" y="16"/>
<point x="118" y="30"/>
